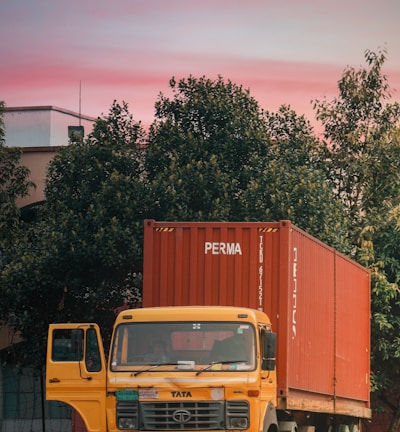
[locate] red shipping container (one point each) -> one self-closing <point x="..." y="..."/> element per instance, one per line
<point x="318" y="300"/>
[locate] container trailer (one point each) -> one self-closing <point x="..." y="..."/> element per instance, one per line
<point x="245" y="326"/>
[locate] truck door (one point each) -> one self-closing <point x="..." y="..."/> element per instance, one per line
<point x="76" y="371"/>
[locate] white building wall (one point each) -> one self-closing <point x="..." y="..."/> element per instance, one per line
<point x="42" y="126"/>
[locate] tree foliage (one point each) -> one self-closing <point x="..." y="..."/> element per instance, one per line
<point x="291" y="184"/>
<point x="381" y="241"/>
<point x="95" y="196"/>
<point x="362" y="154"/>
<point x="14" y="183"/>
<point x="197" y="147"/>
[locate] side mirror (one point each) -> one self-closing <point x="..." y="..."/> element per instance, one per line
<point x="269" y="354"/>
<point x="268" y="364"/>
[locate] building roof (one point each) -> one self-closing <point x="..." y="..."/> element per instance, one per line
<point x="50" y="108"/>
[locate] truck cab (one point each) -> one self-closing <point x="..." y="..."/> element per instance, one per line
<point x="169" y="368"/>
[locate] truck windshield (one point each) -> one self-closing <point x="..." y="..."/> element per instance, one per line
<point x="225" y="346"/>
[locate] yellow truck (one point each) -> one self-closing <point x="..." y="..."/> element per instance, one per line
<point x="216" y="370"/>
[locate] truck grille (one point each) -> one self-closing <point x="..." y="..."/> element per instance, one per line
<point x="182" y="415"/>
<point x="237" y="409"/>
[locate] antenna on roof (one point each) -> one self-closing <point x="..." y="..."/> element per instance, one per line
<point x="80" y="99"/>
<point x="76" y="133"/>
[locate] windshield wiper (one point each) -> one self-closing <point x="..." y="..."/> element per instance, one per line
<point x="153" y="366"/>
<point x="219" y="362"/>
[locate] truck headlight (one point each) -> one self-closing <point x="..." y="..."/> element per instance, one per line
<point x="238" y="423"/>
<point x="127" y="423"/>
<point x="237" y="415"/>
<point x="127" y="415"/>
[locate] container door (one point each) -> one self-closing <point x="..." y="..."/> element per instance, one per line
<point x="76" y="371"/>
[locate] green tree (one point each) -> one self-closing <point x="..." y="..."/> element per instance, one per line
<point x="96" y="199"/>
<point x="363" y="157"/>
<point x="380" y="250"/>
<point x="83" y="256"/>
<point x="198" y="144"/>
<point x="363" y="162"/>
<point x="14" y="184"/>
<point x="291" y="184"/>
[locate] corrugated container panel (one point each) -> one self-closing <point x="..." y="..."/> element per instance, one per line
<point x="317" y="299"/>
<point x="352" y="330"/>
<point x="206" y="264"/>
<point x="311" y="315"/>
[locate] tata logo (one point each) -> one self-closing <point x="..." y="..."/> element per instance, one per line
<point x="222" y="248"/>
<point x="181" y="416"/>
<point x="176" y="394"/>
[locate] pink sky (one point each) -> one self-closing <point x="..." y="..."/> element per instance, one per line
<point x="285" y="52"/>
